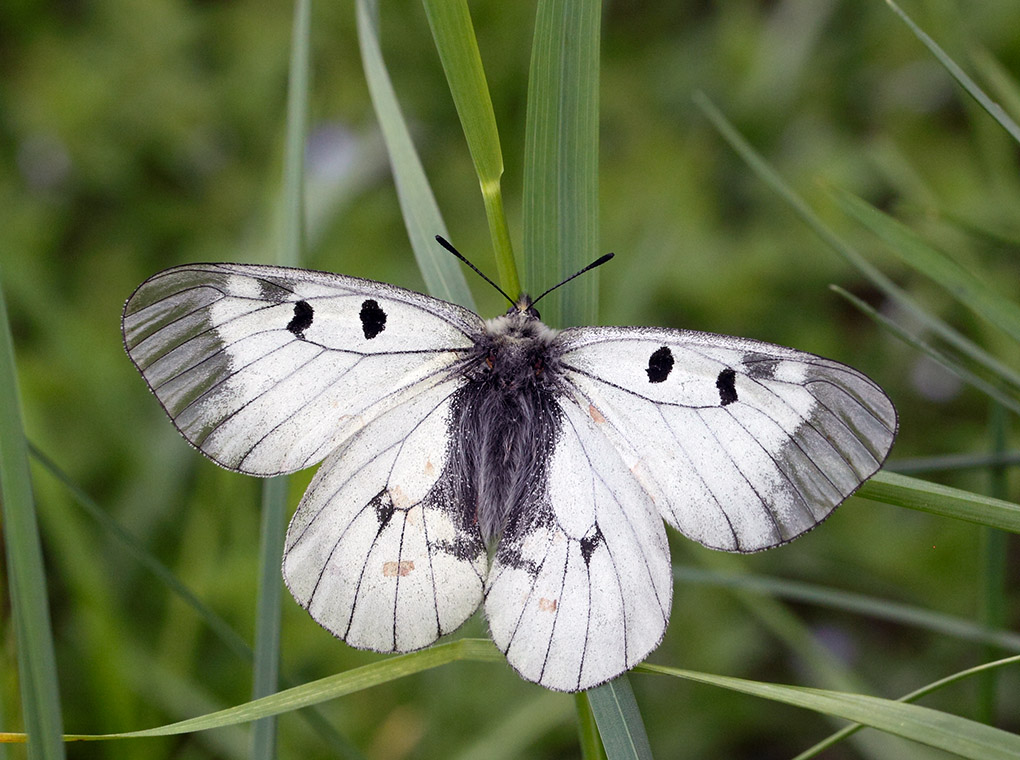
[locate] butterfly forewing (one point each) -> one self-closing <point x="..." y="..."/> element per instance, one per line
<point x="743" y="445"/>
<point x="266" y="370"/>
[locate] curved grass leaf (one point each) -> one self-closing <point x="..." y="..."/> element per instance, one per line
<point x="1000" y="394"/>
<point x="897" y="295"/>
<point x="454" y="35"/>
<point x="441" y="272"/>
<point x="322" y="690"/>
<point x="903" y="491"/>
<point x="962" y="284"/>
<point x="924" y="725"/>
<point x="26" y="576"/>
<point x="985" y="668"/>
<point x="993" y="108"/>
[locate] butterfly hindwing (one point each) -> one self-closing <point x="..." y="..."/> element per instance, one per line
<point x="580" y="585"/>
<point x="380" y="552"/>
<point x="267" y="369"/>
<point x="743" y="445"/>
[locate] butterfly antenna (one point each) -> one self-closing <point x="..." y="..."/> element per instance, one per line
<point x="597" y="263"/>
<point x="449" y="246"/>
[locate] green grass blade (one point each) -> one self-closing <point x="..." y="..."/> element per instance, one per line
<point x="324" y="689"/>
<point x="962" y="284"/>
<point x="903" y="491"/>
<point x="999" y="78"/>
<point x="993" y="108"/>
<point x="924" y="725"/>
<point x="983" y="669"/>
<point x="857" y="604"/>
<point x="561" y="159"/>
<point x="898" y="296"/>
<point x="33" y="634"/>
<point x="1002" y="395"/>
<point x="619" y="720"/>
<point x="454" y="35"/>
<point x="587" y="729"/>
<point x="441" y="271"/>
<point x="266" y="672"/>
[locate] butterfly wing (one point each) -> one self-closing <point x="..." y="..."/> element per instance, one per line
<point x="580" y="586"/>
<point x="267" y="369"/>
<point x="381" y="551"/>
<point x="742" y="445"/>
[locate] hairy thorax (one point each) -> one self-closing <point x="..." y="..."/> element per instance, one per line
<point x="507" y="418"/>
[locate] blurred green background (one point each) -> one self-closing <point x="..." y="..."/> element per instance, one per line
<point x="140" y="134"/>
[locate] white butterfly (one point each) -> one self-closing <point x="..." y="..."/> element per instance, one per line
<point x="499" y="461"/>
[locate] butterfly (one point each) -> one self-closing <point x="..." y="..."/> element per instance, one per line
<point x="498" y="463"/>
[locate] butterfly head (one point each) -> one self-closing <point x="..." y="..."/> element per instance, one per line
<point x="524" y="307"/>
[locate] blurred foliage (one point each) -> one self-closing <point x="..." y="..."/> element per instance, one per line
<point x="139" y="134"/>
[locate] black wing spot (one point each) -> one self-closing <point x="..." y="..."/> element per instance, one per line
<point x="373" y="319"/>
<point x="660" y="364"/>
<point x="302" y="319"/>
<point x="384" y="509"/>
<point x="726" y="385"/>
<point x="590" y="543"/>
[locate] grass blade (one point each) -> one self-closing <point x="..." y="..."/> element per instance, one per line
<point x="324" y="689"/>
<point x="983" y="669"/>
<point x="993" y="108"/>
<point x="454" y="35"/>
<point x="903" y="491"/>
<point x="1003" y="396"/>
<point x="266" y="673"/>
<point x="561" y="159"/>
<point x="587" y="729"/>
<point x="33" y="634"/>
<point x="924" y="725"/>
<point x="893" y="292"/>
<point x="443" y="276"/>
<point x="561" y="233"/>
<point x="265" y="677"/>
<point x="963" y="285"/>
<point x="619" y="720"/>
